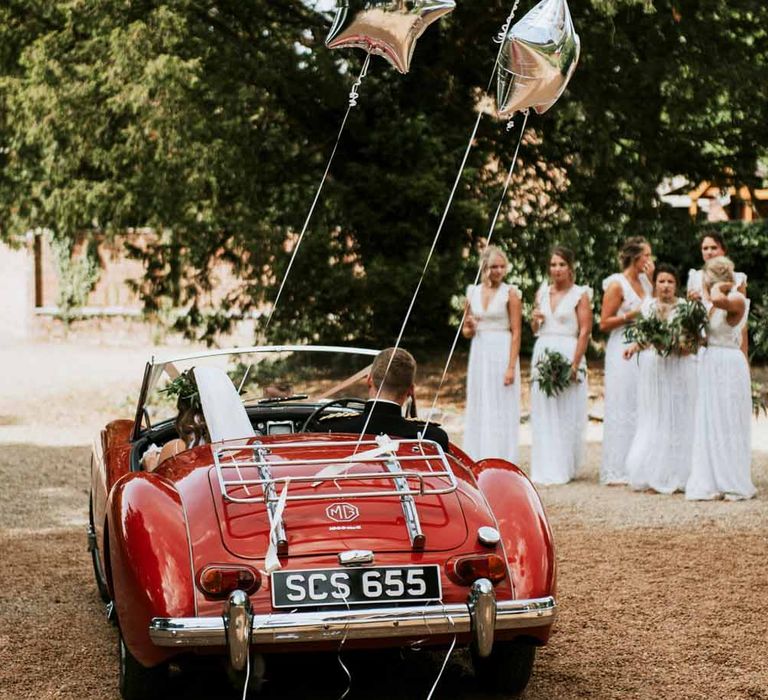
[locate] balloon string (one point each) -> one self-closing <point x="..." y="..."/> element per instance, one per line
<point x="445" y="663"/>
<point x="338" y="655"/>
<point x="353" y="96"/>
<point x="479" y="269"/>
<point x="247" y="676"/>
<point x="500" y="37"/>
<point x="470" y="142"/>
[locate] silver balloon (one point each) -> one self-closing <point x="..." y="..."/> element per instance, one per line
<point x="387" y="28"/>
<point x="537" y="59"/>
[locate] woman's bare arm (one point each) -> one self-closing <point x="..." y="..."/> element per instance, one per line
<point x="734" y="305"/>
<point x="469" y="325"/>
<point x="609" y="314"/>
<point x="515" y="311"/>
<point x="584" y="317"/>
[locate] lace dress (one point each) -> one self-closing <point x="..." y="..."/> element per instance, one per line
<point x="620" y="388"/>
<point x="721" y="458"/>
<point x="659" y="457"/>
<point x="558" y="423"/>
<point x="492" y="419"/>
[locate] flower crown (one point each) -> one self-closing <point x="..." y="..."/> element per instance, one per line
<point x="183" y="387"/>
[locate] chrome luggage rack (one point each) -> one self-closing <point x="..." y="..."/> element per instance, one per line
<point x="242" y="469"/>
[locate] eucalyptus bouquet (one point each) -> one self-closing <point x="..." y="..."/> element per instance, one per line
<point x="552" y="372"/>
<point x="651" y="331"/>
<point x="688" y="326"/>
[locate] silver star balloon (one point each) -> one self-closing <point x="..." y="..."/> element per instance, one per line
<point x="388" y="28"/>
<point x="537" y="59"/>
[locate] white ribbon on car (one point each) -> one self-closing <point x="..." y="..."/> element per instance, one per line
<point x="271" y="560"/>
<point x="386" y="445"/>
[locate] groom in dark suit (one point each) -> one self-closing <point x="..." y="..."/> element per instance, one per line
<point x="393" y="386"/>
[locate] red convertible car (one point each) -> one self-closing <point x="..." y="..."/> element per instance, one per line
<point x="278" y="537"/>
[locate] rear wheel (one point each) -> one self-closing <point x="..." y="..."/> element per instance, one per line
<point x="138" y="682"/>
<point x="508" y="669"/>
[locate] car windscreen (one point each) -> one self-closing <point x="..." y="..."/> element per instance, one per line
<point x="264" y="376"/>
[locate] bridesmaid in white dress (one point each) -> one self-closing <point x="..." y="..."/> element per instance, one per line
<point x="713" y="246"/>
<point x="659" y="457"/>
<point x="624" y="293"/>
<point x="493" y="317"/>
<point x="721" y="459"/>
<point x="562" y="321"/>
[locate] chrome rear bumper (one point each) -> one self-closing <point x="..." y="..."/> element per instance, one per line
<point x="368" y="623"/>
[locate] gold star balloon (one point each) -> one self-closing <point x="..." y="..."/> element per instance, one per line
<point x="537" y="59"/>
<point x="388" y="28"/>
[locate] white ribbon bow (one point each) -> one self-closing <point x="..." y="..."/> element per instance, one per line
<point x="386" y="445"/>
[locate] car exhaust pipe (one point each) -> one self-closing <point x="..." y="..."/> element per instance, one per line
<point x="482" y="613"/>
<point x="237" y="626"/>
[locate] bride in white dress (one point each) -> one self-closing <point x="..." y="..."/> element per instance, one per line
<point x="562" y="321"/>
<point x="721" y="459"/>
<point x="624" y="293"/>
<point x="659" y="457"/>
<point x="493" y="317"/>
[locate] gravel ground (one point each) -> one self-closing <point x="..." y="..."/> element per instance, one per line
<point x="659" y="598"/>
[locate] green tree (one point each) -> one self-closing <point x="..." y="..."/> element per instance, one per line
<point x="211" y="122"/>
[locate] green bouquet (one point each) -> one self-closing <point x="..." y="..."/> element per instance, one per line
<point x="552" y="372"/>
<point x="651" y="332"/>
<point x="682" y="334"/>
<point x="688" y="326"/>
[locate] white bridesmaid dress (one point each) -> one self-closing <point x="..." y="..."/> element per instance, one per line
<point x="558" y="423"/>
<point x="492" y="419"/>
<point x="722" y="457"/>
<point x="659" y="457"/>
<point x="621" y="379"/>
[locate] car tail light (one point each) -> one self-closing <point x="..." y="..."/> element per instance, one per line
<point x="466" y="570"/>
<point x="220" y="581"/>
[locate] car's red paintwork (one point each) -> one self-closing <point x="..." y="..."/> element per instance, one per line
<point x="155" y="533"/>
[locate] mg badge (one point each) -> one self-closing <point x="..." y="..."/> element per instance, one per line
<point x="342" y="512"/>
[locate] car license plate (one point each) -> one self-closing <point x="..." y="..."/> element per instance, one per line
<point x="355" y="586"/>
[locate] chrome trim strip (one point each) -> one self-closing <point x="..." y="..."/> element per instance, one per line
<point x="410" y="513"/>
<point x="267" y="348"/>
<point x="276" y="528"/>
<point x="143" y="393"/>
<point x="369" y="623"/>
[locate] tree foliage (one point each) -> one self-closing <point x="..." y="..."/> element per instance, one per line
<point x="210" y="122"/>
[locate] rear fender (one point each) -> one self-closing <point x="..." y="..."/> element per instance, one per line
<point x="150" y="560"/>
<point x="525" y="532"/>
